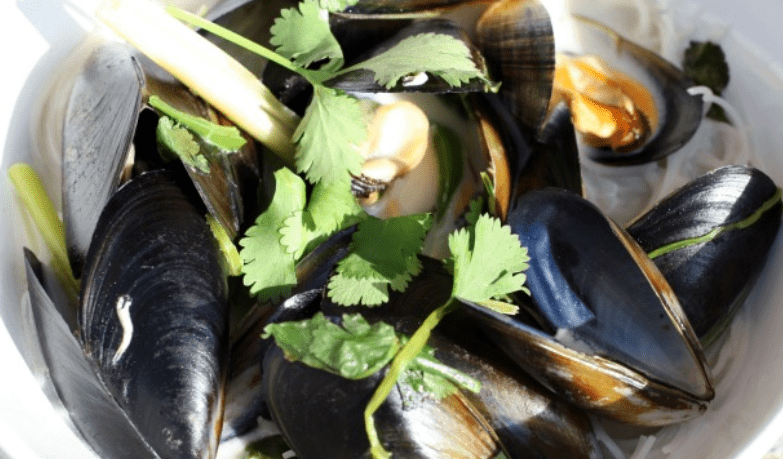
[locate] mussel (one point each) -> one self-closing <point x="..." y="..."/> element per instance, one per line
<point x="616" y="340"/>
<point x="111" y="89"/>
<point x="511" y="413"/>
<point x="517" y="40"/>
<point x="631" y="105"/>
<point x="710" y="239"/>
<point x="146" y="376"/>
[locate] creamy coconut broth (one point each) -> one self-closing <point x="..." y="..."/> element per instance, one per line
<point x="622" y="193"/>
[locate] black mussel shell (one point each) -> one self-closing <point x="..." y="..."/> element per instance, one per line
<point x="321" y="415"/>
<point x="100" y="120"/>
<point x="517" y="41"/>
<point x="529" y="421"/>
<point x="154" y="316"/>
<point x="95" y="413"/>
<point x="622" y="344"/>
<point x="710" y="276"/>
<point x="244" y="403"/>
<point x="402" y="7"/>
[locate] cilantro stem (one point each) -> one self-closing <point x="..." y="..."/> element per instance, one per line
<point x="715" y="232"/>
<point x="227" y="138"/>
<point x="206" y="69"/>
<point x="233" y="37"/>
<point x="407" y="354"/>
<point x="37" y="203"/>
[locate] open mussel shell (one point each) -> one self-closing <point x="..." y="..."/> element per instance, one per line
<point x="516" y="39"/>
<point x="679" y="114"/>
<point x="101" y="125"/>
<point x="710" y="240"/>
<point x="620" y="343"/>
<point x="154" y="316"/>
<point x="98" y="128"/>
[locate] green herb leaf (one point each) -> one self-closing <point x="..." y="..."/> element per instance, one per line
<point x="329" y="135"/>
<point x="304" y="36"/>
<point x="437" y="54"/>
<point x="176" y="141"/>
<point x="370" y="291"/>
<point x="269" y="268"/>
<point x="383" y="253"/>
<point x="225" y="138"/>
<point x="489" y="263"/>
<point x="354" y="351"/>
<point x="705" y="63"/>
<point x="331" y="208"/>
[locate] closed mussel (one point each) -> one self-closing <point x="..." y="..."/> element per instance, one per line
<point x="153" y="316"/>
<point x="613" y="338"/>
<point x="710" y="240"/>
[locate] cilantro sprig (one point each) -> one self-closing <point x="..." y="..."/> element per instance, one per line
<point x="328" y="136"/>
<point x="487" y="261"/>
<point x="289" y="228"/>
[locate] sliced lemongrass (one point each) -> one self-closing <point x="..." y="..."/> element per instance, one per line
<point x="206" y="69"/>
<point x="37" y="203"/>
<point x="230" y="253"/>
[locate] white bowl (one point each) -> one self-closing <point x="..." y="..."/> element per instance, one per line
<point x="746" y="418"/>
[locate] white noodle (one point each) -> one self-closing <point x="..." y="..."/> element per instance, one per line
<point x="644" y="447"/>
<point x="604" y="438"/>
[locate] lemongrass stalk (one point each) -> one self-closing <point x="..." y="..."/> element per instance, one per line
<point x="206" y="69"/>
<point x="39" y="206"/>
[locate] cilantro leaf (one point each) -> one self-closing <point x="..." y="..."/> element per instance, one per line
<point x="354" y="351"/>
<point x="370" y="291"/>
<point x="225" y="138"/>
<point x="489" y="264"/>
<point x="269" y="268"/>
<point x="383" y="254"/>
<point x="304" y="36"/>
<point x="175" y="140"/>
<point x="357" y="349"/>
<point x="705" y="63"/>
<point x="438" y="54"/>
<point x="331" y="207"/>
<point x="329" y="135"/>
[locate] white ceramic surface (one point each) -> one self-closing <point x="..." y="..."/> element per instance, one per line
<point x="36" y="34"/>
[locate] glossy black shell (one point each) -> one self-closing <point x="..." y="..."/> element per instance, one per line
<point x="710" y="277"/>
<point x="154" y="316"/>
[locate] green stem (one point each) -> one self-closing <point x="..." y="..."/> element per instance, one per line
<point x="234" y="38"/>
<point x="227" y="248"/>
<point x="407" y="354"/>
<point x="715" y="232"/>
<point x="37" y="203"/>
